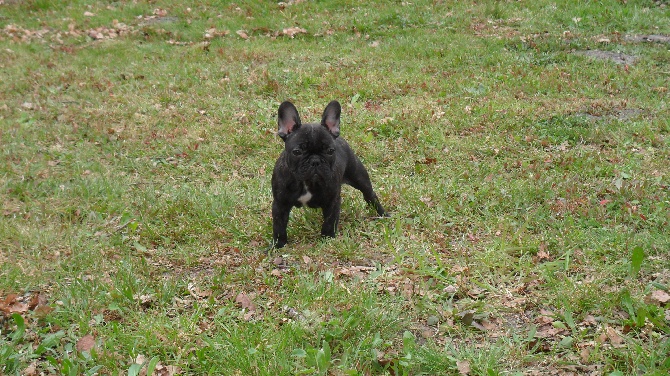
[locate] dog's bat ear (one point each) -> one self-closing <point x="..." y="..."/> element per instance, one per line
<point x="288" y="119"/>
<point x="331" y="118"/>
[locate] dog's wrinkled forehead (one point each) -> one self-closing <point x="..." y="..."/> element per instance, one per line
<point x="312" y="136"/>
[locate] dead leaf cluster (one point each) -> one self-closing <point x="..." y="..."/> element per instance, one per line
<point x="159" y="368"/>
<point x="21" y="35"/>
<point x="85" y="343"/>
<point x="212" y="33"/>
<point x="290" y="32"/>
<point x="118" y="29"/>
<point x="659" y="297"/>
<point x="293" y="31"/>
<point x="283" y="4"/>
<point x="13" y="303"/>
<point x="245" y="302"/>
<point x="496" y="28"/>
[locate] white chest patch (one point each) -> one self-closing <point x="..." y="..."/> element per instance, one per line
<point x="304" y="199"/>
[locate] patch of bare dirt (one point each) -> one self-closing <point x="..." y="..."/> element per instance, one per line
<point x="619" y="114"/>
<point x="653" y="38"/>
<point x="615" y="57"/>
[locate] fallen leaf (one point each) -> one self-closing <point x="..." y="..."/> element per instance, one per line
<point x="242" y="34"/>
<point x="613" y="336"/>
<point x="245" y="302"/>
<point x="94" y="34"/>
<point x="140" y="359"/>
<point x="247" y="316"/>
<point x="542" y="256"/>
<point x="660" y="297"/>
<point x="88" y="14"/>
<point x="12" y="305"/>
<point x="589" y="320"/>
<point x="198" y="293"/>
<point x="488" y="325"/>
<point x="584" y="354"/>
<point x="548" y="331"/>
<point x="85" y="343"/>
<point x="426" y="200"/>
<point x="546" y="317"/>
<point x="292" y="31"/>
<point x="43" y="310"/>
<point x="306" y="259"/>
<point x="31" y="370"/>
<point x="451" y="289"/>
<point x="463" y="367"/>
<point x="162" y="370"/>
<point x="390" y="364"/>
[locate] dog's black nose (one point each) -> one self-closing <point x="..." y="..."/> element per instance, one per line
<point x="316" y="162"/>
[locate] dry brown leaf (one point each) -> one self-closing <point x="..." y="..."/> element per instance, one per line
<point x="245" y="302"/>
<point x="85" y="343"/>
<point x="31" y="370"/>
<point x="407" y="290"/>
<point x="213" y="33"/>
<point x="427" y="333"/>
<point x="660" y="297"/>
<point x="463" y="367"/>
<point x="242" y="34"/>
<point x="247" y="316"/>
<point x="542" y="256"/>
<point x="613" y="336"/>
<point x="488" y="325"/>
<point x="43" y="310"/>
<point x="11" y="305"/>
<point x="548" y="331"/>
<point x="88" y="14"/>
<point x="37" y="300"/>
<point x="388" y="363"/>
<point x="292" y="31"/>
<point x="198" y="293"/>
<point x="589" y="320"/>
<point x="162" y="370"/>
<point x="584" y="354"/>
<point x="306" y="259"/>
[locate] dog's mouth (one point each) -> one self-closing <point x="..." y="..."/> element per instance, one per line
<point x="314" y="169"/>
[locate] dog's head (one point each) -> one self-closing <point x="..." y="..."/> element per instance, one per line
<point x="311" y="150"/>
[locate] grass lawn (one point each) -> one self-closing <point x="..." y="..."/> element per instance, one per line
<point x="522" y="149"/>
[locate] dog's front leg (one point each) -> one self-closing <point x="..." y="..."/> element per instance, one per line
<point x="280" y="214"/>
<point x="331" y="217"/>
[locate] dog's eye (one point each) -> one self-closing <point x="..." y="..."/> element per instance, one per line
<point x="330" y="151"/>
<point x="297" y="152"/>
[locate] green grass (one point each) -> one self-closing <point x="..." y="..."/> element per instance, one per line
<point x="528" y="187"/>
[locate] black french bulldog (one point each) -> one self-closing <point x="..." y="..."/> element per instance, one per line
<point x="311" y="170"/>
